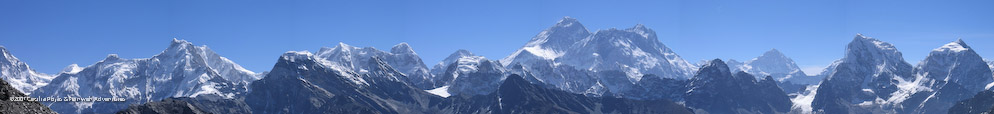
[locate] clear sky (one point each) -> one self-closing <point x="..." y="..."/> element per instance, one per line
<point x="50" y="34"/>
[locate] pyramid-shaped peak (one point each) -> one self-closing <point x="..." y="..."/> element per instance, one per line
<point x="861" y="41"/>
<point x="72" y="68"/>
<point x="956" y="46"/>
<point x="179" y="42"/>
<point x="715" y="63"/>
<point x="640" y="27"/>
<point x="860" y="36"/>
<point x="961" y="42"/>
<point x="180" y="47"/>
<point x="568" y="22"/>
<point x="4" y="51"/>
<point x="5" y="55"/>
<point x="461" y="53"/>
<point x="343" y="45"/>
<point x="402" y="48"/>
<point x="867" y="47"/>
<point x="514" y="81"/>
<point x="773" y="52"/>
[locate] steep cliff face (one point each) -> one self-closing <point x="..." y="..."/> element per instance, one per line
<point x="19" y="75"/>
<point x="870" y="70"/>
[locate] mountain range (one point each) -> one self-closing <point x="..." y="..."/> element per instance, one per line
<point x="564" y="69"/>
<point x="182" y="70"/>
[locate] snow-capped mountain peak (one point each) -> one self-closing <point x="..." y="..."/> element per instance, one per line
<point x="111" y="58"/>
<point x="402" y="58"/>
<point x="955" y="46"/>
<point x="402" y="48"/>
<point x="568" y="22"/>
<point x="644" y="31"/>
<point x="564" y="33"/>
<point x="465" y="73"/>
<point x="773" y="53"/>
<point x="863" y="47"/>
<point x="623" y="56"/>
<point x="19" y="74"/>
<point x="6" y="54"/>
<point x="71" y="69"/>
<point x="181" y="70"/>
<point x="202" y="55"/>
<point x="943" y="76"/>
<point x="867" y="75"/>
<point x="772" y="63"/>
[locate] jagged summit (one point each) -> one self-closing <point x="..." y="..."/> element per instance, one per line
<point x="3" y="51"/>
<point x="773" y="53"/>
<point x="178" y="41"/>
<point x="457" y="56"/>
<point x="19" y="74"/>
<point x="956" y="46"/>
<point x="343" y="47"/>
<point x="6" y="56"/>
<point x="644" y="31"/>
<point x="181" y="70"/>
<point x="463" y="73"/>
<point x="564" y="33"/>
<point x="402" y="48"/>
<point x="949" y="73"/>
<point x="863" y="47"/>
<point x="402" y="58"/>
<point x="294" y="55"/>
<point x="870" y="70"/>
<point x="715" y="67"/>
<point x="623" y="56"/>
<point x="568" y="22"/>
<point x="460" y="53"/>
<point x="776" y="64"/>
<point x="716" y="90"/>
<point x="179" y="48"/>
<point x="112" y="57"/>
<point x="715" y="63"/>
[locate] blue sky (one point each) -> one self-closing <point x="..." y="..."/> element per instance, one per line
<point x="51" y="34"/>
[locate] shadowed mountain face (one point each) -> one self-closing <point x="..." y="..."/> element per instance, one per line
<point x="982" y="103"/>
<point x="13" y="107"/>
<point x="870" y="70"/>
<point x="166" y="106"/>
<point x="716" y="90"/>
<point x="206" y="104"/>
<point x="518" y="96"/>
